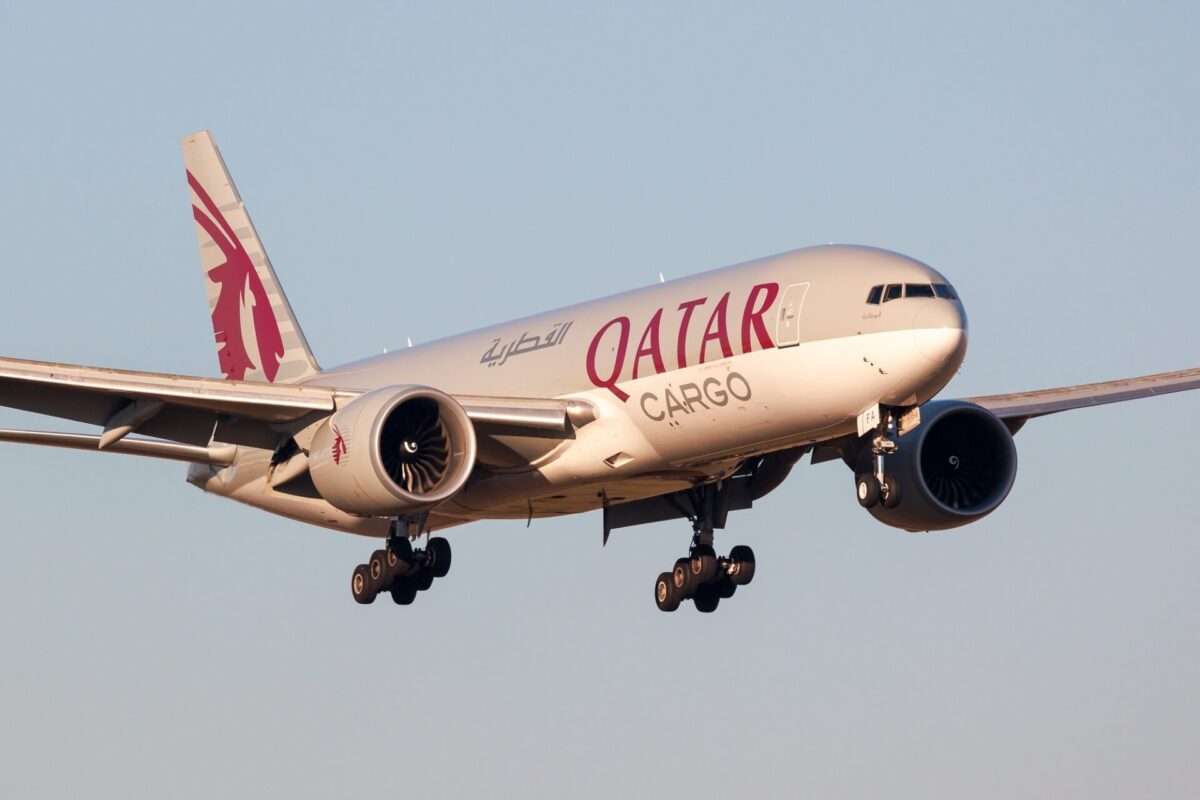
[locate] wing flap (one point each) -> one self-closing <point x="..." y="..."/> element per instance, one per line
<point x="219" y="455"/>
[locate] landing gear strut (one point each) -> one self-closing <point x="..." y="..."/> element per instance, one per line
<point x="398" y="568"/>
<point x="703" y="577"/>
<point x="871" y="483"/>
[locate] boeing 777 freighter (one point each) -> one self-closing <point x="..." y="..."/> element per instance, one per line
<point x="684" y="400"/>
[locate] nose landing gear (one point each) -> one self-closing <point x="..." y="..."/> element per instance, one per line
<point x="871" y="483"/>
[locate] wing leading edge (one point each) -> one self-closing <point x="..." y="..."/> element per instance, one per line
<point x="1021" y="406"/>
<point x="184" y="410"/>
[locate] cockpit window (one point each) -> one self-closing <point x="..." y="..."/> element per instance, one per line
<point x="895" y="291"/>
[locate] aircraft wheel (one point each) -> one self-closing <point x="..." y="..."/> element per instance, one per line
<point x="703" y="565"/>
<point x="439" y="548"/>
<point x="725" y="588"/>
<point x="666" y="596"/>
<point x="681" y="576"/>
<point x="377" y="570"/>
<point x="360" y="586"/>
<point x="383" y="568"/>
<point x="707" y="599"/>
<point x="400" y="560"/>
<point x="867" y="487"/>
<point x="423" y="579"/>
<point x="743" y="559"/>
<point x="891" y="493"/>
<point x="404" y="591"/>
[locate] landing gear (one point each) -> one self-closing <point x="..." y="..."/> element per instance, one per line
<point x="704" y="577"/>
<point x="360" y="586"/>
<point x="707" y="599"/>
<point x="439" y="554"/>
<point x="869" y="489"/>
<point x="666" y="595"/>
<point x="743" y="565"/>
<point x="891" y="491"/>
<point x="403" y="591"/>
<point x="871" y="484"/>
<point x="398" y="568"/>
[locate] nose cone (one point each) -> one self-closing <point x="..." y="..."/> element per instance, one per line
<point x="940" y="331"/>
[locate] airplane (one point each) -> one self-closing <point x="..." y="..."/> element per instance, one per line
<point x="683" y="400"/>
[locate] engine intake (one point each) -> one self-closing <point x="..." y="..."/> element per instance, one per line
<point x="393" y="451"/>
<point x="957" y="466"/>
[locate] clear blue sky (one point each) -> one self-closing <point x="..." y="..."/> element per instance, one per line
<point x="417" y="169"/>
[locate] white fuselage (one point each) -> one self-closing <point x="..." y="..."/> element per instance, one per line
<point x="687" y="378"/>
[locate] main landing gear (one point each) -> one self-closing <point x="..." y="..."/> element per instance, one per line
<point x="871" y="483"/>
<point x="703" y="577"/>
<point x="400" y="570"/>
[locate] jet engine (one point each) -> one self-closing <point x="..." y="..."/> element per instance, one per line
<point x="393" y="451"/>
<point x="957" y="466"/>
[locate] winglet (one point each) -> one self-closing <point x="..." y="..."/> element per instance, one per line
<point x="257" y="336"/>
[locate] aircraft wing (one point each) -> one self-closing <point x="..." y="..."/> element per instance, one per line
<point x="219" y="455"/>
<point x="176" y="407"/>
<point x="184" y="410"/>
<point x="1024" y="405"/>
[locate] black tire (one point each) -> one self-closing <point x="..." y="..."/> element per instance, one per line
<point x="399" y="560"/>
<point x="743" y="565"/>
<point x="725" y="588"/>
<point x="404" y="591"/>
<point x="666" y="597"/>
<point x="703" y="565"/>
<point x="891" y="494"/>
<point x="377" y="571"/>
<point x="360" y="586"/>
<point x="681" y="576"/>
<point x="707" y="599"/>
<point x="439" y="550"/>
<point x="866" y="486"/>
<point x="423" y="579"/>
<point x="387" y="565"/>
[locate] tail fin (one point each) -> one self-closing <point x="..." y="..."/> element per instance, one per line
<point x="258" y="338"/>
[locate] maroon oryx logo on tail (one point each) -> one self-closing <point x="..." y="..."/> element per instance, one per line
<point x="235" y="277"/>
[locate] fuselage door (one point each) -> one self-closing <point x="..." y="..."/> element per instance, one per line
<point x="787" y="331"/>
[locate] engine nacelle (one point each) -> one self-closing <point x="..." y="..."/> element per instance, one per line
<point x="957" y="466"/>
<point x="394" y="451"/>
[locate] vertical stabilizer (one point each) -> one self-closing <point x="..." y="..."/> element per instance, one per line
<point x="257" y="336"/>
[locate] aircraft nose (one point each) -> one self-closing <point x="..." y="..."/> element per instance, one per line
<point x="940" y="330"/>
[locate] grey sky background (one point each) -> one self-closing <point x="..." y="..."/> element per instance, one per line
<point x="417" y="169"/>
